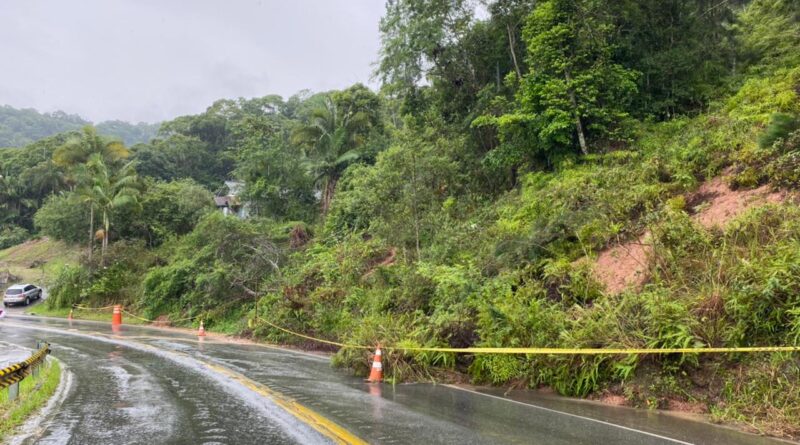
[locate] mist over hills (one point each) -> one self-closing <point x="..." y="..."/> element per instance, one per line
<point x="19" y="127"/>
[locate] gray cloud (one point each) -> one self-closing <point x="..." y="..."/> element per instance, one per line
<point x="150" y="60"/>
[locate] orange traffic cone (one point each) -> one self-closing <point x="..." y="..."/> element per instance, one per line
<point x="202" y="331"/>
<point x="376" y="373"/>
<point x="69" y="317"/>
<point x="116" y="316"/>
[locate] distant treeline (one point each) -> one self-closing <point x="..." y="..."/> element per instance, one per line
<point x="20" y="127"/>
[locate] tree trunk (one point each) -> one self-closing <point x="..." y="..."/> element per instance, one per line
<point x="327" y="193"/>
<point x="414" y="202"/>
<point x="581" y="139"/>
<point x="511" y="44"/>
<point x="91" y="231"/>
<point x="578" y="123"/>
<point x="106" y="225"/>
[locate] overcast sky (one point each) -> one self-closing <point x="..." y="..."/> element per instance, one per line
<point x="151" y="60"/>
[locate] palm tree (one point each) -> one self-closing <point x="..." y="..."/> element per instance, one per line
<point x="85" y="191"/>
<point x="45" y="178"/>
<point x="75" y="156"/>
<point x="10" y="198"/>
<point x="335" y="134"/>
<point x="15" y="201"/>
<point x="77" y="150"/>
<point x="109" y="190"/>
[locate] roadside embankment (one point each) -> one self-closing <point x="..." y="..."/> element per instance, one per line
<point x="34" y="392"/>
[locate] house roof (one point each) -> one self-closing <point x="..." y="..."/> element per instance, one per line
<point x="227" y="201"/>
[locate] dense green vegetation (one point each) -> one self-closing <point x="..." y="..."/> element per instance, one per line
<point x="464" y="203"/>
<point x="20" y="127"/>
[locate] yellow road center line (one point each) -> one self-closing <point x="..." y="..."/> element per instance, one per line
<point x="322" y="424"/>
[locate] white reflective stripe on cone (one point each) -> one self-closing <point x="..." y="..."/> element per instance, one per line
<point x="377" y="365"/>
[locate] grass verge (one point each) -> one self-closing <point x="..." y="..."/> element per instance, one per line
<point x="43" y="311"/>
<point x="34" y="392"/>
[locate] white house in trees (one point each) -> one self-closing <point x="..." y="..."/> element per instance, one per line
<point x="230" y="204"/>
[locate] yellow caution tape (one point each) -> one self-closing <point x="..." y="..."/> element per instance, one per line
<point x="171" y="320"/>
<point x="603" y="351"/>
<point x="499" y="350"/>
<point x="136" y="316"/>
<point x="86" y="308"/>
<point x="341" y="345"/>
<point x="104" y="308"/>
<point x="551" y="351"/>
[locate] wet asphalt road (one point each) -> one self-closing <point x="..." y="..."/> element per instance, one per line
<point x="144" y="385"/>
<point x="10" y="354"/>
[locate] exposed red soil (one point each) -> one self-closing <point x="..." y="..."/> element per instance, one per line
<point x="687" y="407"/>
<point x="624" y="265"/>
<point x="721" y="204"/>
<point x="388" y="260"/>
<point x="162" y="321"/>
<point x="613" y="399"/>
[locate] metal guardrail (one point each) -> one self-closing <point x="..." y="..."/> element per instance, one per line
<point x="10" y="376"/>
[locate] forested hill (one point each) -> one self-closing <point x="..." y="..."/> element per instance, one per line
<point x="558" y="173"/>
<point x="19" y="127"/>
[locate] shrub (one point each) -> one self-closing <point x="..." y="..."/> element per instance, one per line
<point x="12" y="235"/>
<point x="779" y="127"/>
<point x="785" y="170"/>
<point x="64" y="217"/>
<point x="67" y="288"/>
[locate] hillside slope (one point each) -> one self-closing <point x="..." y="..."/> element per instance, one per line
<point x="467" y="211"/>
<point x="20" y="127"/>
<point x="716" y="266"/>
<point x="713" y="204"/>
<point x="37" y="261"/>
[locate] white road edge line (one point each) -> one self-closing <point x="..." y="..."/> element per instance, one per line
<point x="571" y="415"/>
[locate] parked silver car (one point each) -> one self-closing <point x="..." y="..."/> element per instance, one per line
<point x="21" y="294"/>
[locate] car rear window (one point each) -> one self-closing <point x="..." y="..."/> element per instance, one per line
<point x="13" y="291"/>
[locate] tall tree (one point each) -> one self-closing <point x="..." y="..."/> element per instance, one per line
<point x="769" y="32"/>
<point x="510" y="14"/>
<point x="12" y="198"/>
<point x="336" y="134"/>
<point x="682" y="48"/>
<point x="85" y="192"/>
<point x="79" y="149"/>
<point x="400" y="197"/>
<point x="574" y="88"/>
<point x="414" y="35"/>
<point x="277" y="183"/>
<point x="110" y="189"/>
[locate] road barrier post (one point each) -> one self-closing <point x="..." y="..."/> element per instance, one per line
<point x="35" y="366"/>
<point x="201" y="332"/>
<point x="13" y="391"/>
<point x="116" y="316"/>
<point x="10" y="376"/>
